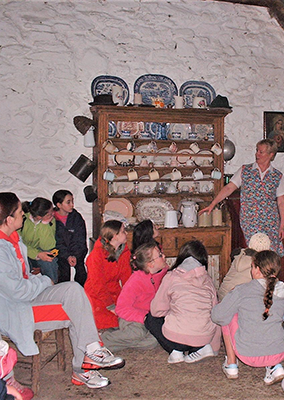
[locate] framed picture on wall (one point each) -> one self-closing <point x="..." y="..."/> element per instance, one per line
<point x="273" y="127"/>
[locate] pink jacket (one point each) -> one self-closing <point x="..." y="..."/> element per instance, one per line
<point x="185" y="298"/>
<point x="136" y="295"/>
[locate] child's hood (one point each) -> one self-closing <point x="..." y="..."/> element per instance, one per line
<point x="242" y="262"/>
<point x="191" y="267"/>
<point x="278" y="290"/>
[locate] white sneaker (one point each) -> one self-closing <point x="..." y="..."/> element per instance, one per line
<point x="274" y="374"/>
<point x="176" y="357"/>
<point x="92" y="379"/>
<point x="102" y="358"/>
<point x="230" y="370"/>
<point x="200" y="354"/>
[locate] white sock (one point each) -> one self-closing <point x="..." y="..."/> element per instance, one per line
<point x="93" y="347"/>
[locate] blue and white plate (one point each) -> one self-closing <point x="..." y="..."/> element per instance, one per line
<point x="111" y="129"/>
<point x="191" y="89"/>
<point x="156" y="130"/>
<point x="152" y="86"/>
<point x="102" y="84"/>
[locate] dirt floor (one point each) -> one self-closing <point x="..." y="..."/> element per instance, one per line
<point x="147" y="375"/>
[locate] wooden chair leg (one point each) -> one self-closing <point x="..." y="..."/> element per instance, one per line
<point x="36" y="364"/>
<point x="61" y="362"/>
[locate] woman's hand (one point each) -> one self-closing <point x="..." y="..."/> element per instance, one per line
<point x="45" y="256"/>
<point x="207" y="209"/>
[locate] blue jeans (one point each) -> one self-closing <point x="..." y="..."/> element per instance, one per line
<point x="46" y="268"/>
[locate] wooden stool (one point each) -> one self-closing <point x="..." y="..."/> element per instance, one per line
<point x="38" y="362"/>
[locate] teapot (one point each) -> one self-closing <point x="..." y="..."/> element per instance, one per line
<point x="188" y="209"/>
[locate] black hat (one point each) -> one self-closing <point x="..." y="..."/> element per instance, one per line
<point x="83" y="123"/>
<point x="103" y="100"/>
<point x="220" y="102"/>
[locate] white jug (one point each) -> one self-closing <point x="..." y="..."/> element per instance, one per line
<point x="189" y="213"/>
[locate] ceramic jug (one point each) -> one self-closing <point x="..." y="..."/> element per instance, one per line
<point x="189" y="213"/>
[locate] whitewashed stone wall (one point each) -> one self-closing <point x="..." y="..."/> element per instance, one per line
<point x="52" y="50"/>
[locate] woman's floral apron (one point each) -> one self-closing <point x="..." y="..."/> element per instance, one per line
<point x="259" y="210"/>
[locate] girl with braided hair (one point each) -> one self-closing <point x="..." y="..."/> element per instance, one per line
<point x="108" y="268"/>
<point x="251" y="316"/>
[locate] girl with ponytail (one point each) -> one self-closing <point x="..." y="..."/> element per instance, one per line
<point x="251" y="316"/>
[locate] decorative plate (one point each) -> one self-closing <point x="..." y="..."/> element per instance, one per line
<point x="111" y="129"/>
<point x="152" y="86"/>
<point x="102" y="84"/>
<point x="204" y="161"/>
<point x="143" y="149"/>
<point x="122" y="188"/>
<point x="165" y="159"/>
<point x="110" y="215"/>
<point x="157" y="130"/>
<point x="179" y="131"/>
<point x="124" y="159"/>
<point x="122" y="206"/>
<point x="183" y="159"/>
<point x="154" y="209"/>
<point x="192" y="89"/>
<point x="203" y="131"/>
<point x="133" y="127"/>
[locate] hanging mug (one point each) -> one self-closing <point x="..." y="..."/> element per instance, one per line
<point x="153" y="174"/>
<point x="217" y="149"/>
<point x="109" y="175"/>
<point x="197" y="174"/>
<point x="132" y="174"/>
<point x="175" y="175"/>
<point x="216" y="174"/>
<point x="109" y="147"/>
<point x="194" y="147"/>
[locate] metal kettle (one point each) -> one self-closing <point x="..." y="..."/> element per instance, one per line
<point x="188" y="209"/>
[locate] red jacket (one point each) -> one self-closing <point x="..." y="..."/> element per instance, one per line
<point x="104" y="281"/>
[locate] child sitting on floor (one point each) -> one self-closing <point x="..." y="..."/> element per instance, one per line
<point x="240" y="270"/>
<point x="180" y="317"/>
<point x="251" y="317"/>
<point x="149" y="266"/>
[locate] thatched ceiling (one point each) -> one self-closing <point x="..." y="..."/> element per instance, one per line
<point x="275" y="7"/>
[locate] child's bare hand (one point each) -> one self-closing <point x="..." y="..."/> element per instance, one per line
<point x="72" y="261"/>
<point x="11" y="390"/>
<point x="45" y="256"/>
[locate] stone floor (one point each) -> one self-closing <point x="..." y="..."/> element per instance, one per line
<point x="148" y="376"/>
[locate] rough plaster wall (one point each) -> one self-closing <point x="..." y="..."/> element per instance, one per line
<point x="51" y="51"/>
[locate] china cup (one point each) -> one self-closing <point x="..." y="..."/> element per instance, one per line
<point x="217" y="149"/>
<point x="197" y="174"/>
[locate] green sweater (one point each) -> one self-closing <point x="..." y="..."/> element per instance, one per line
<point x="38" y="237"/>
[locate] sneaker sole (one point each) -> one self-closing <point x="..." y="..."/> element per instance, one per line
<point x="199" y="359"/>
<point x="89" y="366"/>
<point x="175" y="362"/>
<point x="278" y="379"/>
<point x="80" y="383"/>
<point x="230" y="376"/>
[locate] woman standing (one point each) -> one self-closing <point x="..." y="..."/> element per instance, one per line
<point x="262" y="196"/>
<point x="108" y="267"/>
